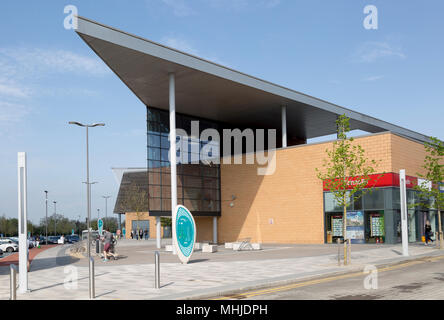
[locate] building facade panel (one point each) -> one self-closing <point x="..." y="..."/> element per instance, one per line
<point x="288" y="206"/>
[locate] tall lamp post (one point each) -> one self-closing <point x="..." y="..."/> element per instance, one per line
<point x="46" y="227"/>
<point x="55" y="218"/>
<point x="88" y="195"/>
<point x="106" y="209"/>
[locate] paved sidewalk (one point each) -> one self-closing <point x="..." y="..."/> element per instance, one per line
<point x="204" y="277"/>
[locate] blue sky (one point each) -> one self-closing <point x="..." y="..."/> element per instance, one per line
<point x="48" y="77"/>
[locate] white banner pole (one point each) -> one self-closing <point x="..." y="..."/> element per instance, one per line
<point x="22" y="223"/>
<point x="403" y="195"/>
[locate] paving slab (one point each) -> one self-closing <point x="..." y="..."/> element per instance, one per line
<point x="208" y="274"/>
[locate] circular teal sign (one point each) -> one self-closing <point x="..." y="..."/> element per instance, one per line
<point x="185" y="231"/>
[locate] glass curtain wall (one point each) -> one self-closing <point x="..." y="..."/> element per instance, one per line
<point x="198" y="182"/>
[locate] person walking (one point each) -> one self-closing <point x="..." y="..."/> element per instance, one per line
<point x="132" y="234"/>
<point x="108" y="239"/>
<point x="428" y="232"/>
<point x="140" y="234"/>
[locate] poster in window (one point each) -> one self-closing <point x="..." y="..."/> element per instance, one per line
<point x="336" y="226"/>
<point x="355" y="226"/>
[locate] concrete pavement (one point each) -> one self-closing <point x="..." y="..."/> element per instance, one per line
<point x="208" y="275"/>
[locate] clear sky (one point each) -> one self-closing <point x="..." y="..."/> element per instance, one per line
<point x="48" y="76"/>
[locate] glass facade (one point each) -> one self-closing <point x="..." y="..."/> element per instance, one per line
<point x="382" y="216"/>
<point x="198" y="178"/>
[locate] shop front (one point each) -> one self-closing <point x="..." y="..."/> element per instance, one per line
<point x="375" y="216"/>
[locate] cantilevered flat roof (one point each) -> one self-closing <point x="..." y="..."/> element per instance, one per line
<point x="208" y="90"/>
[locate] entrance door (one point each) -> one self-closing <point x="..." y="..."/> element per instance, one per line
<point x="143" y="225"/>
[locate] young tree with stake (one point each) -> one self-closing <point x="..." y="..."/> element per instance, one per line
<point x="346" y="172"/>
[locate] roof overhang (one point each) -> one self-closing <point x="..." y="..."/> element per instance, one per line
<point x="208" y="90"/>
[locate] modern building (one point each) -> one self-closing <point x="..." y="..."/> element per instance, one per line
<point x="232" y="201"/>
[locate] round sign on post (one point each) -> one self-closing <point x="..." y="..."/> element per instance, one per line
<point x="185" y="235"/>
<point x="100" y="226"/>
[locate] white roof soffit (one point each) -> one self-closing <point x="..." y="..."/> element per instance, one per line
<point x="301" y="111"/>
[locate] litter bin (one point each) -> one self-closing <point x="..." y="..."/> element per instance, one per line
<point x="99" y="246"/>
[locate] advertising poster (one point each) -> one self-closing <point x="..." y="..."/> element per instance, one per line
<point x="336" y="226"/>
<point x="355" y="226"/>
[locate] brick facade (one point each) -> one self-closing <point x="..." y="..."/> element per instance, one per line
<point x="287" y="206"/>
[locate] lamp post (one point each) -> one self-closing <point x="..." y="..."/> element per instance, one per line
<point x="88" y="194"/>
<point x="55" y="218"/>
<point x="46" y="227"/>
<point x="106" y="209"/>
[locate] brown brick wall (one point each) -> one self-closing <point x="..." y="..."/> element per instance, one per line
<point x="287" y="207"/>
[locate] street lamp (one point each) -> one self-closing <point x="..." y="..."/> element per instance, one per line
<point x="106" y="208"/>
<point x="88" y="194"/>
<point x="55" y="218"/>
<point x="46" y="227"/>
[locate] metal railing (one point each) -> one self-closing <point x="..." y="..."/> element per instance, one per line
<point x="13" y="282"/>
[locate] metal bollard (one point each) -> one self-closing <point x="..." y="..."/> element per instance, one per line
<point x="156" y="270"/>
<point x="92" y="285"/>
<point x="13" y="282"/>
<point x="339" y="251"/>
<point x="349" y="251"/>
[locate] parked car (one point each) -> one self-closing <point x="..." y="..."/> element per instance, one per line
<point x="53" y="239"/>
<point x="8" y="246"/>
<point x="72" y="238"/>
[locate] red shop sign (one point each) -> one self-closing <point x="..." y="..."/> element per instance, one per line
<point x="381" y="180"/>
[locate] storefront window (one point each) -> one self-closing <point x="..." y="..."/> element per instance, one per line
<point x="374" y="199"/>
<point x="375" y="227"/>
<point x="332" y="205"/>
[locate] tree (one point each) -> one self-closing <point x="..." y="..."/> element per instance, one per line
<point x="346" y="171"/>
<point x="430" y="195"/>
<point x="136" y="200"/>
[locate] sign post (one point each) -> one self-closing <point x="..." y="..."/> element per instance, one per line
<point x="404" y="231"/>
<point x="100" y="226"/>
<point x="184" y="235"/>
<point x="22" y="223"/>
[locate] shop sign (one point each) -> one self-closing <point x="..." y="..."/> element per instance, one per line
<point x="378" y="180"/>
<point x="185" y="233"/>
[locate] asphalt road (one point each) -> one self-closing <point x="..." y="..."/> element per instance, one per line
<point x="415" y="280"/>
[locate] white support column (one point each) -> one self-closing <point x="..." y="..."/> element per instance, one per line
<point x="215" y="230"/>
<point x="22" y="223"/>
<point x="284" y="126"/>
<point x="404" y="230"/>
<point x="172" y="100"/>
<point x="158" y="240"/>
